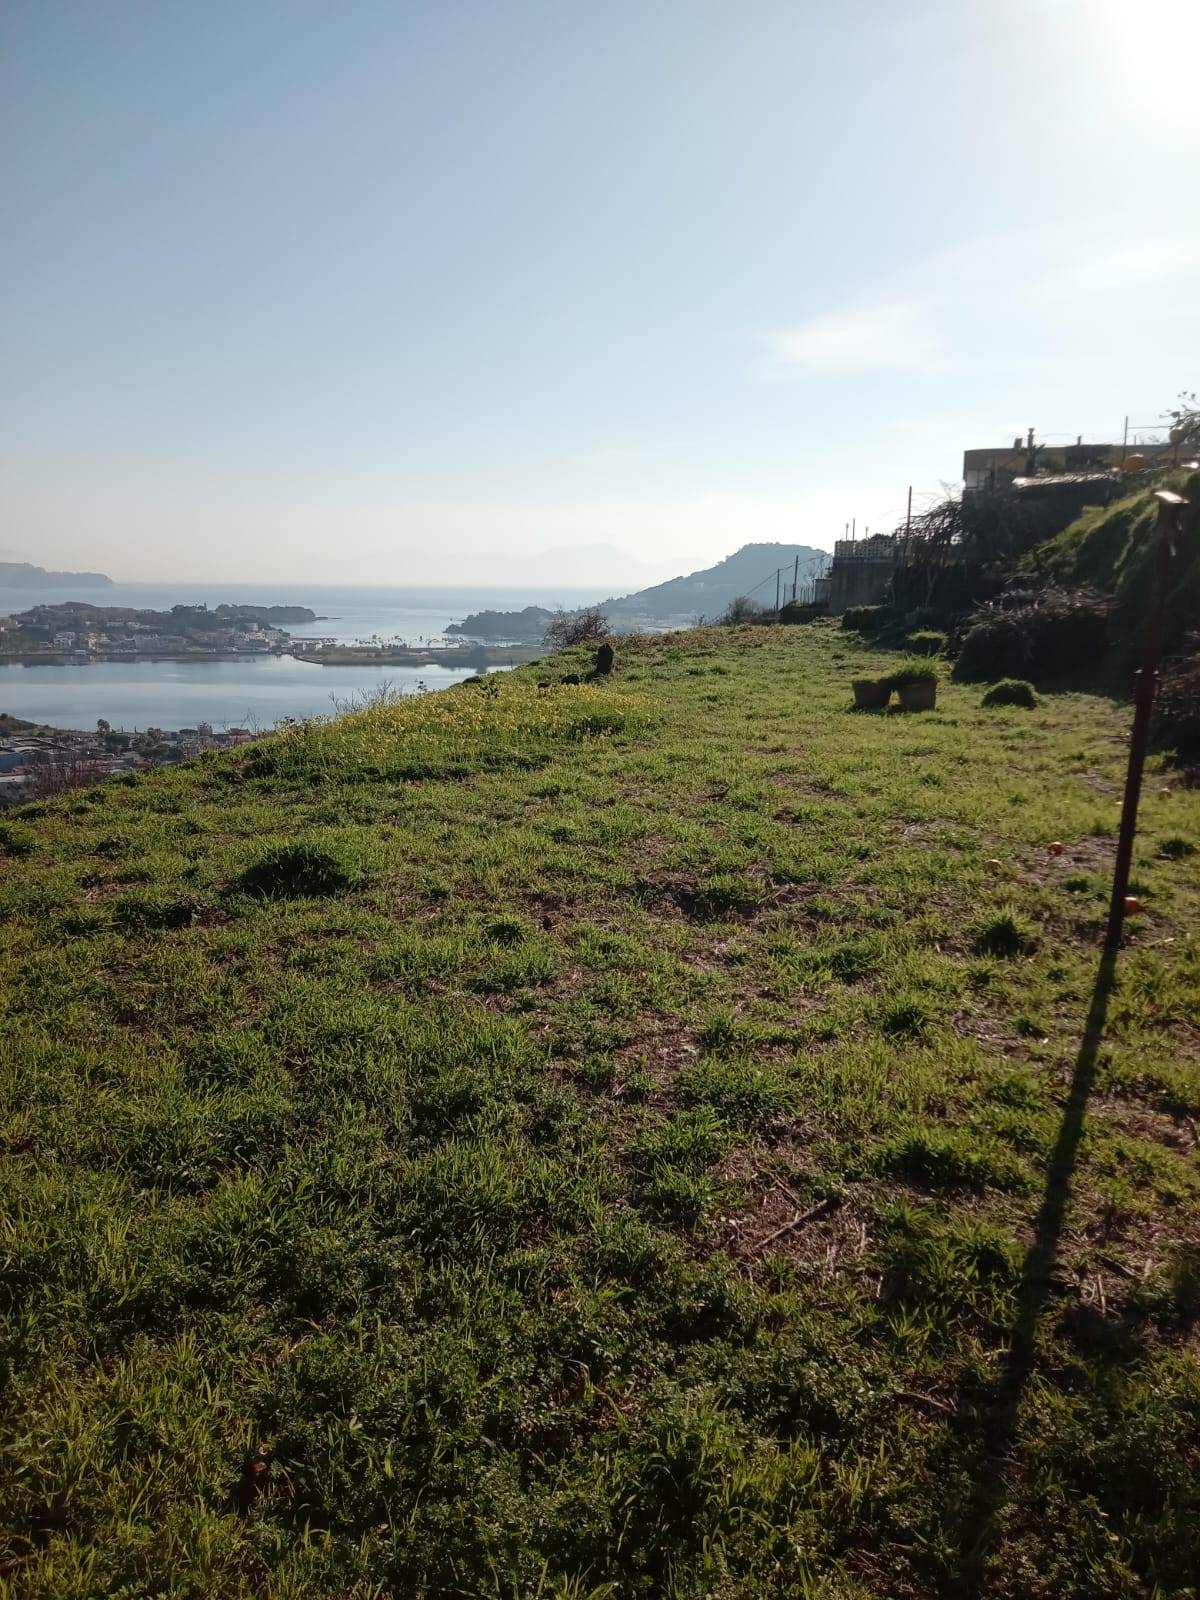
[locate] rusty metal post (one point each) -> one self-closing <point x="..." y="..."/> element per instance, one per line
<point x="1170" y="506"/>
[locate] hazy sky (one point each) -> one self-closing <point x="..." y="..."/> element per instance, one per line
<point x="355" y="289"/>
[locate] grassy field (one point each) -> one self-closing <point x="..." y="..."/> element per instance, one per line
<point x="675" y="1137"/>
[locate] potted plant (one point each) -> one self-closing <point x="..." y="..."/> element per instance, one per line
<point x="916" y="684"/>
<point x="871" y="694"/>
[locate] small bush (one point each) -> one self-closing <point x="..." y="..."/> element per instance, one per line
<point x="1011" y="692"/>
<point x="297" y="871"/>
<point x="796" y="611"/>
<point x="566" y="628"/>
<point x="740" y="610"/>
<point x="927" y="642"/>
<point x="1004" y="933"/>
<point x="866" y="619"/>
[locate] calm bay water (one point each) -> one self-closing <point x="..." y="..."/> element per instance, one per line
<point x="255" y="691"/>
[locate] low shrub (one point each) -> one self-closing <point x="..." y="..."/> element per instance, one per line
<point x="1011" y="692"/>
<point x="866" y="619"/>
<point x="742" y="609"/>
<point x="927" y="642"/>
<point x="1048" y="632"/>
<point x="297" y="871"/>
<point x="566" y="628"/>
<point x="800" y="611"/>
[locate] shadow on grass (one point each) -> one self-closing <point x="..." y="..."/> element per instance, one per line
<point x="1001" y="1415"/>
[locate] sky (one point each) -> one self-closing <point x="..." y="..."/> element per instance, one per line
<point x="503" y="291"/>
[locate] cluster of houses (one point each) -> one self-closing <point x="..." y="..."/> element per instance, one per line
<point x="41" y="761"/>
<point x="31" y="638"/>
<point x="1050" y="483"/>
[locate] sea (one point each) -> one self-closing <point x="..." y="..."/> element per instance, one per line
<point x="257" y="691"/>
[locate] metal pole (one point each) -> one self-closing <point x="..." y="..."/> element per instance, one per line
<point x="778" y="570"/>
<point x="1124" y="441"/>
<point x="1170" y="505"/>
<point x="796" y="575"/>
<point x="908" y="518"/>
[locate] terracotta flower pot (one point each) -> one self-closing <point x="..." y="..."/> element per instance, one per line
<point x="870" y="694"/>
<point x="918" y="696"/>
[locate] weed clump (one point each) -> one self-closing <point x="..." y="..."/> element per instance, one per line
<point x="927" y="642"/>
<point x="1011" y="692"/>
<point x="951" y="1159"/>
<point x="1176" y="848"/>
<point x="1004" y="933"/>
<point x="144" y="912"/>
<point x="15" y="840"/>
<point x="300" y="871"/>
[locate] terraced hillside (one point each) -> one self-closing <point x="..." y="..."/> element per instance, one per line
<point x="668" y="1137"/>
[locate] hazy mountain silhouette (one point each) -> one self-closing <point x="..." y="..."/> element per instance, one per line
<point x="749" y="571"/>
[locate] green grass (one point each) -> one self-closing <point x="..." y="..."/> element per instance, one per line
<point x="402" y="1120"/>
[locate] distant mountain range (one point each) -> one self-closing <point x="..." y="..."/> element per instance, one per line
<point x="24" y="575"/>
<point x="707" y="593"/>
<point x="749" y="571"/>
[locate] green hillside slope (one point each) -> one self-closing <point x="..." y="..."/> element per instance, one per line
<point x="1112" y="548"/>
<point x="627" y="1140"/>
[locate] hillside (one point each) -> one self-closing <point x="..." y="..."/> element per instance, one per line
<point x="1112" y="548"/>
<point x="23" y="575"/>
<point x="707" y="593"/>
<point x="629" y="1140"/>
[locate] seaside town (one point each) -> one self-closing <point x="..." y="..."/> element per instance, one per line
<point x="36" y="761"/>
<point x="77" y="631"/>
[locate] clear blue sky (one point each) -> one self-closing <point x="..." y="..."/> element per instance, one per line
<point x="361" y="288"/>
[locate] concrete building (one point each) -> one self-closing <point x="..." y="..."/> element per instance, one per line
<point x="1000" y="469"/>
<point x="861" y="573"/>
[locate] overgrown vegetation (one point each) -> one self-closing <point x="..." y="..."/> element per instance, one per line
<point x="1047" y="632"/>
<point x="1177" y="711"/>
<point x="625" y="1174"/>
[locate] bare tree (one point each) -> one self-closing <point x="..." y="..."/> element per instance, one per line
<point x="741" y="609"/>
<point x="576" y="627"/>
<point x="48" y="777"/>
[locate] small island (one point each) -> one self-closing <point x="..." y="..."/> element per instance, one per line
<point x="527" y="626"/>
<point x="76" y="630"/>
